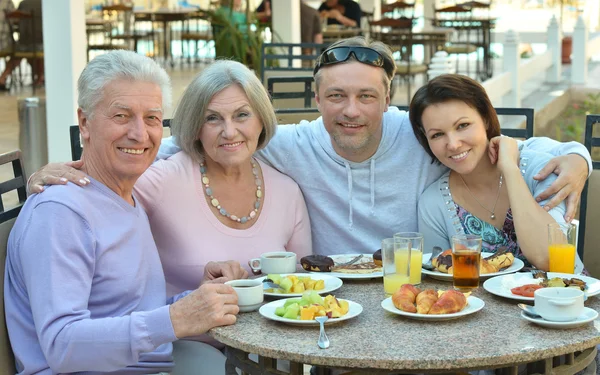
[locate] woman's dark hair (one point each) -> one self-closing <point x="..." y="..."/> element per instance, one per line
<point x="452" y="87"/>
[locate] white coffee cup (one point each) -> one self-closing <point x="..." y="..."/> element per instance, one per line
<point x="250" y="293"/>
<point x="559" y="304"/>
<point x="274" y="262"/>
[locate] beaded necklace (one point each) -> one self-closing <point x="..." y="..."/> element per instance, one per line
<point x="215" y="202"/>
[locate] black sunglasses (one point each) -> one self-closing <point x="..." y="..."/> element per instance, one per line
<point x="364" y="55"/>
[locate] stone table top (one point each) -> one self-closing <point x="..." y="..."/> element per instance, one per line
<point x="496" y="336"/>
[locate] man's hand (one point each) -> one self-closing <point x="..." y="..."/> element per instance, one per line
<point x="57" y="174"/>
<point x="220" y="272"/>
<point x="209" y="306"/>
<point x="572" y="171"/>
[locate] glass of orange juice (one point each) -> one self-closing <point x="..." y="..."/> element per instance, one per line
<point x="393" y="275"/>
<point x="561" y="247"/>
<point x="414" y="241"/>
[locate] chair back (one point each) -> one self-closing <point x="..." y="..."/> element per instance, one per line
<point x="7" y="220"/>
<point x="590" y="193"/>
<point x="277" y="58"/>
<point x="285" y="92"/>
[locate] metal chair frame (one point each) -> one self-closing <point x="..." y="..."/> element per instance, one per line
<point x="591" y="121"/>
<point x="290" y="57"/>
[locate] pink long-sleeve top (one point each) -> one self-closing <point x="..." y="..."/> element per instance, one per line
<point x="188" y="235"/>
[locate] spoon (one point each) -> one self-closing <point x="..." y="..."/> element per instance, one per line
<point x="323" y="342"/>
<point x="269" y="284"/>
<point x="529" y="310"/>
<point x="434" y="254"/>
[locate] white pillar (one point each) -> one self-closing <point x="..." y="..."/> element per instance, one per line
<point x="512" y="61"/>
<point x="64" y="59"/>
<point x="554" y="44"/>
<point x="579" y="66"/>
<point x="592" y="12"/>
<point x="286" y="24"/>
<point x="428" y="13"/>
<point x="371" y="6"/>
<point x="286" y="20"/>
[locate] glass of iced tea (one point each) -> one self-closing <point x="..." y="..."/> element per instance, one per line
<point x="561" y="247"/>
<point x="466" y="257"/>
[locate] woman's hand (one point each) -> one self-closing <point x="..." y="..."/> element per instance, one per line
<point x="57" y="174"/>
<point x="504" y="151"/>
<point x="220" y="272"/>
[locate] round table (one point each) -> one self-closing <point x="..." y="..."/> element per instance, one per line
<point x="377" y="341"/>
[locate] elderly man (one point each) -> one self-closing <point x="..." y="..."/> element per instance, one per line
<point x="360" y="166"/>
<point x="85" y="290"/>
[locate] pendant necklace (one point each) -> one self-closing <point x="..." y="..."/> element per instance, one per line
<point x="492" y="211"/>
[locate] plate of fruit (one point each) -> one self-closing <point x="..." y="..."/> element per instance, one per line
<point x="302" y="311"/>
<point x="295" y="284"/>
<point x="431" y="304"/>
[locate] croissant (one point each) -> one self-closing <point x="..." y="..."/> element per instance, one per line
<point x="425" y="300"/>
<point x="501" y="261"/>
<point x="404" y="298"/>
<point x="487" y="267"/>
<point x="451" y="301"/>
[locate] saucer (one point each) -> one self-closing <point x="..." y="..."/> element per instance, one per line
<point x="249" y="308"/>
<point x="586" y="316"/>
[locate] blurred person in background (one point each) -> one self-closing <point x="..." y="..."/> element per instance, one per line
<point x="341" y="12"/>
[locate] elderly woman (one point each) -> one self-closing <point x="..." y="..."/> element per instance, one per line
<point x="213" y="201"/>
<point x="490" y="188"/>
<point x="85" y="290"/>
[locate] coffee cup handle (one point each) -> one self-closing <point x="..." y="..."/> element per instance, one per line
<point x="255" y="265"/>
<point x="560" y="303"/>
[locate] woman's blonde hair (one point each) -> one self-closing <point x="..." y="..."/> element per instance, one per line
<point x="189" y="115"/>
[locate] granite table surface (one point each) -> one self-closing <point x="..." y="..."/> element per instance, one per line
<point x="496" y="336"/>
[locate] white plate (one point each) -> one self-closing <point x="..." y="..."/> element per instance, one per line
<point x="268" y="311"/>
<point x="586" y="316"/>
<point x="474" y="304"/>
<point x="331" y="283"/>
<point x="501" y="285"/>
<point x="516" y="266"/>
<point x="342" y="258"/>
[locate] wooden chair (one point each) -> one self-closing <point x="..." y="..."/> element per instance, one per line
<point x="398" y="9"/>
<point x="7" y="220"/>
<point x="196" y="29"/>
<point x="21" y="23"/>
<point x="124" y="25"/>
<point x="467" y="36"/>
<point x="397" y="33"/>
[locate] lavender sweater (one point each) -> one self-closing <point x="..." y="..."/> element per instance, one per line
<point x="84" y="288"/>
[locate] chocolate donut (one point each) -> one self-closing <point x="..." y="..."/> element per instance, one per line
<point x="377" y="258"/>
<point x="317" y="263"/>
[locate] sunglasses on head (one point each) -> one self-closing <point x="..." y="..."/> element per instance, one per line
<point x="364" y="55"/>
